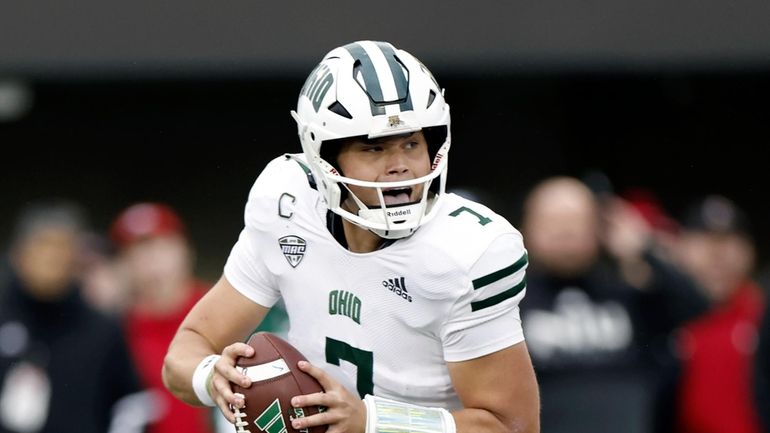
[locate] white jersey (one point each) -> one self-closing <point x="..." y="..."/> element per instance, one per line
<point x="386" y="322"/>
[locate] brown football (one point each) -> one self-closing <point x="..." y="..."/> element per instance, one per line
<point x="275" y="379"/>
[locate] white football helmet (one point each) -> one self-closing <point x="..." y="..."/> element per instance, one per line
<point x="373" y="89"/>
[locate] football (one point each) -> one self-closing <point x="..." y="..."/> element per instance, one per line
<point x="275" y="379"/>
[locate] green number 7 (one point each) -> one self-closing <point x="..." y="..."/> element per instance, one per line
<point x="482" y="219"/>
<point x="364" y="360"/>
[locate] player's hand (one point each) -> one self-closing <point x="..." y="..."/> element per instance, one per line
<point x="345" y="412"/>
<point x="626" y="237"/>
<point x="627" y="234"/>
<point x="225" y="373"/>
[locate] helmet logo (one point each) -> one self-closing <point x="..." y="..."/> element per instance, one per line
<point x="394" y="121"/>
<point x="318" y="83"/>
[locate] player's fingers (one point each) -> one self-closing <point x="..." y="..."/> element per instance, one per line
<point x="225" y="408"/>
<point x="315" y="399"/>
<point x="226" y="368"/>
<point x="223" y="389"/>
<point x="235" y="350"/>
<point x="324" y="379"/>
<point x="324" y="418"/>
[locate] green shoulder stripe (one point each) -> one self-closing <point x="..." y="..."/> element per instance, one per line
<point x="306" y="169"/>
<point x="502" y="273"/>
<point x="500" y="297"/>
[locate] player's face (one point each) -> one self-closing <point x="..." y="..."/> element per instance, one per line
<point x="388" y="159"/>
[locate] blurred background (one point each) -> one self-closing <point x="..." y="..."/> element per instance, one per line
<point x="183" y="102"/>
<point x="112" y="102"/>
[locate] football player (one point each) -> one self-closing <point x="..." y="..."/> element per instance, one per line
<point x="399" y="294"/>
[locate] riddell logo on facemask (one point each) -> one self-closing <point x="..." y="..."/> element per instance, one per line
<point x="436" y="161"/>
<point x="400" y="212"/>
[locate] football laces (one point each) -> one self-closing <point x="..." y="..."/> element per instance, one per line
<point x="240" y="424"/>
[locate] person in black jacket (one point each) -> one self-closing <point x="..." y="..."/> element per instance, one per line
<point x="63" y="365"/>
<point x="601" y="305"/>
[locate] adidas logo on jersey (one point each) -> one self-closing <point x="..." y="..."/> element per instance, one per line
<point x="398" y="286"/>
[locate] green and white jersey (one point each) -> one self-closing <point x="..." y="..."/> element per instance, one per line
<point x="387" y="322"/>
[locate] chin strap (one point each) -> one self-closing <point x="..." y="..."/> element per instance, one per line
<point x="389" y="416"/>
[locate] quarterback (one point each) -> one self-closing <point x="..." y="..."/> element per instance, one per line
<point x="398" y="293"/>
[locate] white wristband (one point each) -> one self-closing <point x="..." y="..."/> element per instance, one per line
<point x="202" y="377"/>
<point x="384" y="415"/>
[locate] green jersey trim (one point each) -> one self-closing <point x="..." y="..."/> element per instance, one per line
<point x="502" y="273"/>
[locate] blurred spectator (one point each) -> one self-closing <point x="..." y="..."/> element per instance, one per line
<point x="103" y="282"/>
<point x="715" y="387"/>
<point x="664" y="228"/>
<point x="64" y="367"/>
<point x="599" y="310"/>
<point x="762" y="371"/>
<point x="158" y="261"/>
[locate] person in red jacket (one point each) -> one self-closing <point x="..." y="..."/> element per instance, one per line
<point x="159" y="263"/>
<point x="715" y="387"/>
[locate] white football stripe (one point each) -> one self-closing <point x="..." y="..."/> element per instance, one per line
<point x="265" y="371"/>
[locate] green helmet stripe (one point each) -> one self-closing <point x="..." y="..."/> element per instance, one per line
<point x="371" y="80"/>
<point x="401" y="80"/>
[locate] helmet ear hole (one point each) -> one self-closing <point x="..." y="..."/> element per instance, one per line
<point x="311" y="137"/>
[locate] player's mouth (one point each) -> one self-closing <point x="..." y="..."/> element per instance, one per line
<point x="397" y="196"/>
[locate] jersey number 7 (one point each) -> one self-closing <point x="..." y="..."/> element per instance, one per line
<point x="339" y="350"/>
